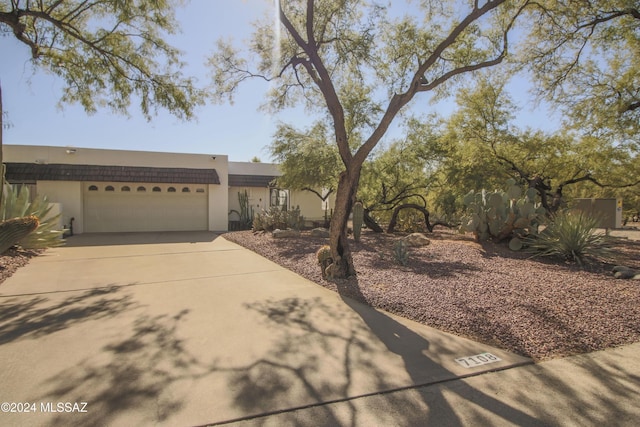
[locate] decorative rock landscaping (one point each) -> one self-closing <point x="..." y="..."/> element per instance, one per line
<point x="277" y="233"/>
<point x="417" y="240"/>
<point x="622" y="272"/>
<point x="320" y="232"/>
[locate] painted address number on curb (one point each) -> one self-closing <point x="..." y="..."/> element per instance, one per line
<point x="477" y="360"/>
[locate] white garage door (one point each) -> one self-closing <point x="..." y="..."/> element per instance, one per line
<point x="112" y="207"/>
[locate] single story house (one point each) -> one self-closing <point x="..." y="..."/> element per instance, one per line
<point x="127" y="191"/>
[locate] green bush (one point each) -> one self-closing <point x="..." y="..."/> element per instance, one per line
<point x="17" y="204"/>
<point x="571" y="235"/>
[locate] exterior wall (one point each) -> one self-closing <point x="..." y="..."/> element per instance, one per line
<point x="218" y="205"/>
<point x="250" y="168"/>
<point x="608" y="211"/>
<point x="311" y="207"/>
<point x="56" y="209"/>
<point x="69" y="195"/>
<point x="258" y="199"/>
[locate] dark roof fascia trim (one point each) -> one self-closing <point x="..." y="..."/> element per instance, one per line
<point x="236" y="180"/>
<point x="25" y="172"/>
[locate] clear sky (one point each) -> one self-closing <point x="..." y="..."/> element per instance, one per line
<point x="238" y="130"/>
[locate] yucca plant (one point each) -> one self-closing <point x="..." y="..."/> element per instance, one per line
<point x="17" y="204"/>
<point x="571" y="235"/>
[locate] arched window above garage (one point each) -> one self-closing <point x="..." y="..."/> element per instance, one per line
<point x="125" y="188"/>
<point x="109" y="188"/>
<point x="186" y="190"/>
<point x="141" y="189"/>
<point x="200" y="190"/>
<point x="156" y="189"/>
<point x="171" y="190"/>
<point x="93" y="188"/>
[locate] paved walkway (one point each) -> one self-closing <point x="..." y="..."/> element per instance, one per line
<point x="183" y="329"/>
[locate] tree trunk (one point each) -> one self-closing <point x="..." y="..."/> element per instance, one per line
<point x="371" y="223"/>
<point x="396" y="211"/>
<point x="342" y="266"/>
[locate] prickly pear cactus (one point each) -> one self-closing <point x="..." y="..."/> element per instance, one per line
<point x="358" y="219"/>
<point x="15" y="229"/>
<point x="503" y="214"/>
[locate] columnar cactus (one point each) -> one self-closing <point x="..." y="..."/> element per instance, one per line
<point x="358" y="219"/>
<point x="502" y="215"/>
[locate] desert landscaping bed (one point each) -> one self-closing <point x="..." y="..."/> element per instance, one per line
<point x="537" y="308"/>
<point x="13" y="259"/>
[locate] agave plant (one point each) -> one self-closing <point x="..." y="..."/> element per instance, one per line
<point x="17" y="204"/>
<point x="571" y="235"/>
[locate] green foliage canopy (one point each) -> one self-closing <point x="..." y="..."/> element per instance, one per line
<point x="307" y="159"/>
<point x="585" y="56"/>
<point x="106" y="51"/>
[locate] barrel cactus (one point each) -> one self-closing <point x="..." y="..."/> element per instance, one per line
<point x="15" y="229"/>
<point x="324" y="259"/>
<point x="358" y="219"/>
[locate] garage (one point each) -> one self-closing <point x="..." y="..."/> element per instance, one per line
<point x="118" y="206"/>
<point x="110" y="198"/>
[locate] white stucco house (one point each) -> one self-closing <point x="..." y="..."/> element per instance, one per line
<point x="122" y="190"/>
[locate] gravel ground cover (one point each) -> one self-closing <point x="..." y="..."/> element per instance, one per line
<point x="537" y="308"/>
<point x="13" y="259"/>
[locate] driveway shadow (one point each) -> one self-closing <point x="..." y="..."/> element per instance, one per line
<point x="140" y="238"/>
<point x="40" y="315"/>
<point x="327" y="358"/>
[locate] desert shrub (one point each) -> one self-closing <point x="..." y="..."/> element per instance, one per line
<point x="275" y="218"/>
<point x="571" y="235"/>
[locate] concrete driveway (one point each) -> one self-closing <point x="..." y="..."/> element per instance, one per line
<point x="190" y="329"/>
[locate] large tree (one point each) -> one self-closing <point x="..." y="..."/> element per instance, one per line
<point x="108" y="52"/>
<point x="486" y="146"/>
<point x="349" y="60"/>
<point x="585" y="56"/>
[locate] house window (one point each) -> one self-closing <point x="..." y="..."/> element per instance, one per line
<point x="141" y="188"/>
<point x="93" y="188"/>
<point x="109" y="188"/>
<point x="156" y="189"/>
<point x="200" y="190"/>
<point x="125" y="188"/>
<point x="186" y="190"/>
<point x="279" y="198"/>
<point x="171" y="190"/>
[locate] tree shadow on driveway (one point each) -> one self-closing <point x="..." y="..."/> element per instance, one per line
<point x="326" y="358"/>
<point x="31" y="317"/>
